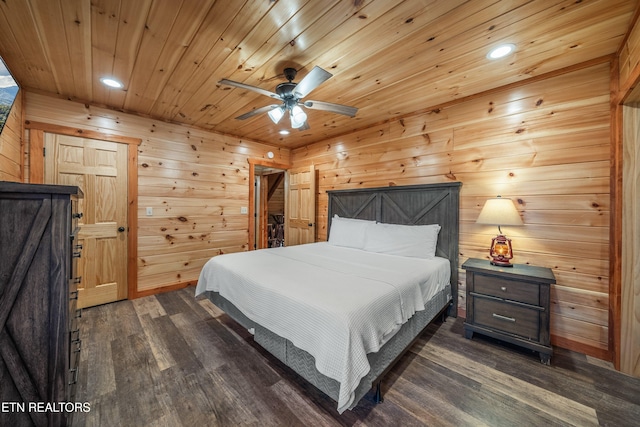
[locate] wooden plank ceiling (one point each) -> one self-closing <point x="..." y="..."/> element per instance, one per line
<point x="388" y="58"/>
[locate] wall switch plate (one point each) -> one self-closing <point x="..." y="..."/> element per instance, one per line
<point x="244" y="210"/>
<point x="149" y="211"/>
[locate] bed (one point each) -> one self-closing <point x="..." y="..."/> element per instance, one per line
<point x="342" y="314"/>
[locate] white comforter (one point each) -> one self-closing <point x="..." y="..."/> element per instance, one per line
<point x="336" y="303"/>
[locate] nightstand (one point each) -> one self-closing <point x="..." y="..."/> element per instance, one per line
<point x="510" y="303"/>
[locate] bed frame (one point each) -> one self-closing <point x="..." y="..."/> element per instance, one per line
<point x="409" y="205"/>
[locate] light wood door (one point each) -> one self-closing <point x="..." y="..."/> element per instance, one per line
<point x="300" y="211"/>
<point x="99" y="168"/>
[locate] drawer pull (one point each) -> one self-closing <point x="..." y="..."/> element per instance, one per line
<point x="74" y="375"/>
<point x="78" y="313"/>
<point x="503" y="288"/>
<point x="501" y="317"/>
<point x="79" y="247"/>
<point x="73" y="295"/>
<point x="77" y="215"/>
<point x="77" y="254"/>
<point x="77" y="280"/>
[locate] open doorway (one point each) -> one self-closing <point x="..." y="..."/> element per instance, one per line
<point x="269" y="207"/>
<point x="267" y="201"/>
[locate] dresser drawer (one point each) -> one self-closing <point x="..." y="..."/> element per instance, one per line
<point x="506" y="289"/>
<point x="76" y="215"/>
<point x="507" y="317"/>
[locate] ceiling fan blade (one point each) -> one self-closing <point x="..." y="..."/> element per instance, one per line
<point x="256" y="112"/>
<point x="315" y="78"/>
<point x="248" y="87"/>
<point x="334" y="108"/>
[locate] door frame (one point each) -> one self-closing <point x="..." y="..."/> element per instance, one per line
<point x="36" y="176"/>
<point x="252" y="193"/>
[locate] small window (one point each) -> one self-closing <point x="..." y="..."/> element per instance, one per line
<point x="8" y="92"/>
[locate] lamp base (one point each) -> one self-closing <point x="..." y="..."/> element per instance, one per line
<point x="501" y="263"/>
<point x="500" y="251"/>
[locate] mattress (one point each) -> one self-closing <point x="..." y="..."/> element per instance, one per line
<point x="337" y="304"/>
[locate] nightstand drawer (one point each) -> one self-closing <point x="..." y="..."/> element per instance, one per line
<point x="506" y="317"/>
<point x="507" y="289"/>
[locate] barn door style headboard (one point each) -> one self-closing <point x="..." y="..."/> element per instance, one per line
<point x="408" y="205"/>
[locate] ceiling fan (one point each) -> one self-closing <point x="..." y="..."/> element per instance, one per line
<point x="291" y="95"/>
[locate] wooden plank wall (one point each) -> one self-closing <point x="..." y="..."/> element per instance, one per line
<point x="195" y="181"/>
<point x="11" y="155"/>
<point x="545" y="144"/>
<point x="630" y="293"/>
<point x="629" y="55"/>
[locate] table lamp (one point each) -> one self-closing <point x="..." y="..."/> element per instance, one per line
<point x="500" y="211"/>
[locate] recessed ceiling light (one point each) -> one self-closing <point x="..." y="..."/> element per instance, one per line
<point x="111" y="82"/>
<point x="284" y="132"/>
<point x="501" y="51"/>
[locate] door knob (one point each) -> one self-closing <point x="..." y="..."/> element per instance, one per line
<point x="121" y="229"/>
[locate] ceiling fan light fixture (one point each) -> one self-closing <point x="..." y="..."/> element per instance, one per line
<point x="276" y="114"/>
<point x="501" y="51"/>
<point x="295" y="124"/>
<point x="298" y="117"/>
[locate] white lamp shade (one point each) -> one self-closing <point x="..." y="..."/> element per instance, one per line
<point x="276" y="114"/>
<point x="499" y="211"/>
<point x="298" y="117"/>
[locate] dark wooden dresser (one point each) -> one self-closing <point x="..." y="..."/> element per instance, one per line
<point x="39" y="336"/>
<point x="510" y="303"/>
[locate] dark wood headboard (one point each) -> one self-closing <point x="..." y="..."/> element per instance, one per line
<point x="408" y="205"/>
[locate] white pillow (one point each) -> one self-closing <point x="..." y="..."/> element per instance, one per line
<point x="349" y="232"/>
<point x="417" y="241"/>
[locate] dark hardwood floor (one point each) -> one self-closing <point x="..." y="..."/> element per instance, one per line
<point x="172" y="360"/>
